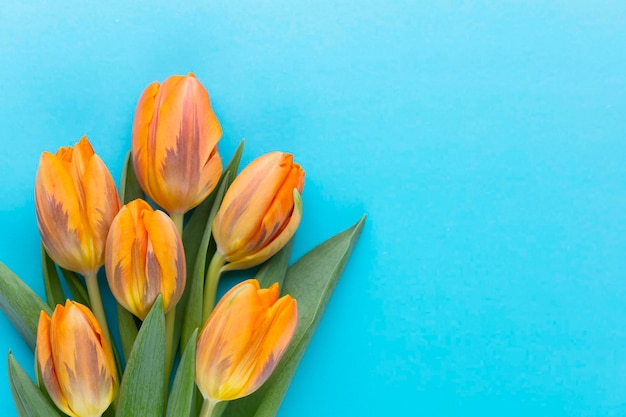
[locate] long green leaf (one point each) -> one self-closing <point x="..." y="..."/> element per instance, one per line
<point x="29" y="400"/>
<point x="128" y="330"/>
<point x="143" y="386"/>
<point x="51" y="281"/>
<point x="21" y="305"/>
<point x="76" y="286"/>
<point x="193" y="311"/>
<point x="130" y="189"/>
<point x="311" y="281"/>
<point x="275" y="269"/>
<point x="181" y="397"/>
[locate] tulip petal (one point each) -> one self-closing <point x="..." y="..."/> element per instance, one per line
<point x="187" y="135"/>
<point x="275" y="245"/>
<point x="124" y="256"/>
<point x="46" y="364"/>
<point x="141" y="129"/>
<point x="165" y="264"/>
<point x="278" y="329"/>
<point x="59" y="213"/>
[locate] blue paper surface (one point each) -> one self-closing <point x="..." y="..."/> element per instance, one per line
<point x="485" y="141"/>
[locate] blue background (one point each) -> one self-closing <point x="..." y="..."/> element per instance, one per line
<point x="485" y="140"/>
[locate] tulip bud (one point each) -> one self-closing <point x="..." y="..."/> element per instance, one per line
<point x="260" y="211"/>
<point x="243" y="340"/>
<point x="75" y="360"/>
<point x="144" y="258"/>
<point x="76" y="200"/>
<point x="174" y="147"/>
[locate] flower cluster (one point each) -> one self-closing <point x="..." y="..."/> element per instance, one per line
<point x="85" y="224"/>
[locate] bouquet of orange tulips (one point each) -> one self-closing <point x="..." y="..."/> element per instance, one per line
<point x="179" y="222"/>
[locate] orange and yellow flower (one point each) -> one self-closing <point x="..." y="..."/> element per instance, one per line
<point x="174" y="146"/>
<point x="243" y="341"/>
<point x="144" y="258"/>
<point x="260" y="212"/>
<point x="76" y="201"/>
<point x="75" y="360"/>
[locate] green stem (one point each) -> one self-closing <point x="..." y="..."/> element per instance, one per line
<point x="170" y="321"/>
<point x="210" y="284"/>
<point x="96" y="305"/>
<point x="170" y="316"/>
<point x="208" y="407"/>
<point x="98" y="310"/>
<point x="177" y="218"/>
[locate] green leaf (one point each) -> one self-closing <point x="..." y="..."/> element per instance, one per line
<point x="195" y="237"/>
<point x="193" y="312"/>
<point x="29" y="400"/>
<point x="275" y="269"/>
<point x="21" y="305"/>
<point x="76" y="286"/>
<point x="143" y="386"/>
<point x="311" y="281"/>
<point x="130" y="189"/>
<point x="51" y="281"/>
<point x="181" y="397"/>
<point x="109" y="412"/>
<point x="128" y="330"/>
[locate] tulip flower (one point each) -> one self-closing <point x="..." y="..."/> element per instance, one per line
<point x="174" y="144"/>
<point x="76" y="201"/>
<point x="75" y="360"/>
<point x="243" y="341"/>
<point x="144" y="258"/>
<point x="260" y="211"/>
<point x="258" y="216"/>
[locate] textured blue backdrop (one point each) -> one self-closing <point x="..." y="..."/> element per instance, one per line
<point x="484" y="139"/>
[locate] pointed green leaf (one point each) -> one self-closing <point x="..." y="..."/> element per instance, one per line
<point x="76" y="286"/>
<point x="181" y="397"/>
<point x="21" y="305"/>
<point x="275" y="269"/>
<point x="311" y="281"/>
<point x="143" y="385"/>
<point x="128" y="330"/>
<point x="193" y="312"/>
<point x="29" y="400"/>
<point x="130" y="189"/>
<point x="51" y="281"/>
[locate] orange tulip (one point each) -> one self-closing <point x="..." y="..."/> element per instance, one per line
<point x="144" y="258"/>
<point x="174" y="147"/>
<point x="76" y="200"/>
<point x="76" y="361"/>
<point x="260" y="212"/>
<point x="243" y="341"/>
